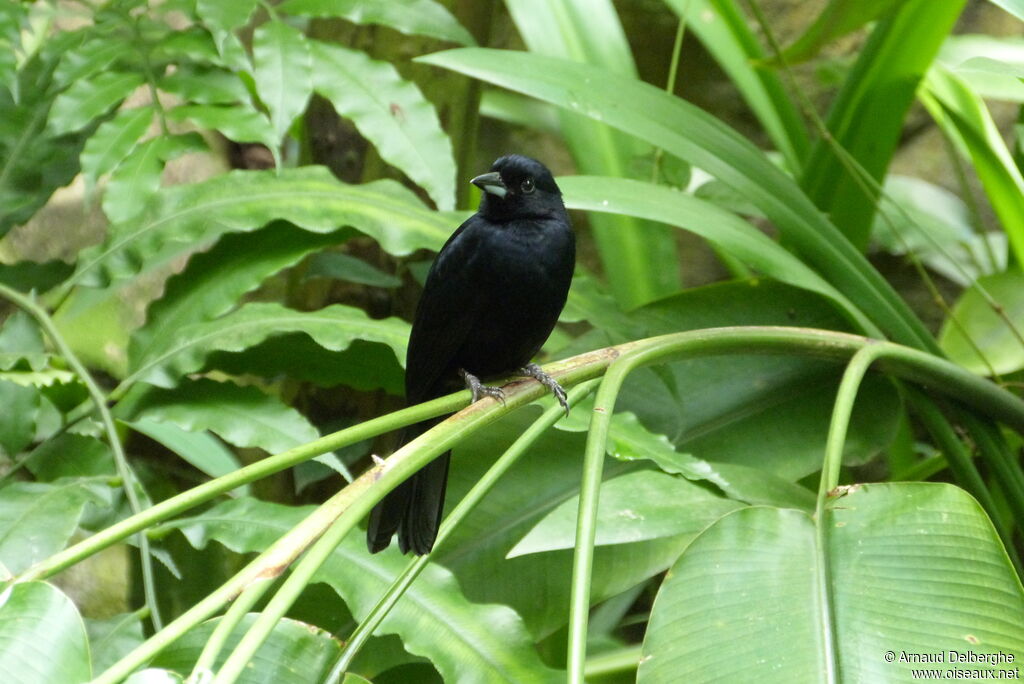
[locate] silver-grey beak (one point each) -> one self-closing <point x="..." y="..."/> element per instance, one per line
<point x="491" y="182"/>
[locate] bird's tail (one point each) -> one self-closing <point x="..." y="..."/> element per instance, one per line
<point x="413" y="509"/>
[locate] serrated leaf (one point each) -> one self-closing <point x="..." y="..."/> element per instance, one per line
<point x="240" y="123"/>
<point x="467" y="642"/>
<point x="89" y="98"/>
<point x="283" y="73"/>
<point x="19" y="334"/>
<point x="334" y="327"/>
<point x="214" y="280"/>
<point x="414" y="17"/>
<point x="113" y="141"/>
<point x="37" y="519"/>
<point x="243" y="416"/>
<point x="310" y="197"/>
<point x="42" y="638"/>
<point x="137" y="179"/>
<point x="392" y="114"/>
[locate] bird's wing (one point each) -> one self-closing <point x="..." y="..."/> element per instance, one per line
<point x="450" y="304"/>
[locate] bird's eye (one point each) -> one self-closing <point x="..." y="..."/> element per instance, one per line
<point x="526" y="186"/>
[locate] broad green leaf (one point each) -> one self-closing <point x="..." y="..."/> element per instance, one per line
<point x="37" y="519"/>
<point x="413" y="17"/>
<point x="72" y="456"/>
<point x="182" y="217"/>
<point x="866" y="118"/>
<point x="205" y="85"/>
<point x="30" y="275"/>
<point x="19" y="334"/>
<point x="18" y="417"/>
<point x="991" y="65"/>
<point x="222" y="17"/>
<point x="837" y="19"/>
<point x="697" y="137"/>
<point x="639" y="260"/>
<point x="723" y="29"/>
<point x="137" y="178"/>
<point x="200" y="449"/>
<point x="339" y="266"/>
<point x="965" y="118"/>
<point x="89" y="98"/>
<point x="294" y="653"/>
<point x="935" y="225"/>
<point x="239" y="122"/>
<point x="333" y="327"/>
<point x="214" y="281"/>
<point x="243" y="416"/>
<point x="92" y="55"/>
<point x="113" y="638"/>
<point x="897" y="566"/>
<point x="547" y="475"/>
<point x="974" y="326"/>
<point x="113" y="141"/>
<point x="283" y="73"/>
<point x="465" y="641"/>
<point x="391" y="113"/>
<point x="42" y="638"/>
<point x="637" y="506"/>
<point x="727" y="231"/>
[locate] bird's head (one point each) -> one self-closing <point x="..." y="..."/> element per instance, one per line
<point x="518" y="187"/>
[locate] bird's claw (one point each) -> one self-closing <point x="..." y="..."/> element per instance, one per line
<point x="478" y="389"/>
<point x="532" y="370"/>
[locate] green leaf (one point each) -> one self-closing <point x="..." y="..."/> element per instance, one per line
<point x="89" y="98"/>
<point x="197" y="448"/>
<point x="42" y="638"/>
<point x="898" y="565"/>
<point x="37" y="519"/>
<point x="310" y="197"/>
<point x="391" y="113"/>
<point x="638" y="259"/>
<point x="72" y="456"/>
<point x="222" y="17"/>
<point x="334" y="327"/>
<point x="204" y="85"/>
<point x="727" y="231"/>
<point x="214" y="281"/>
<point x="243" y="416"/>
<point x="965" y="118"/>
<point x="113" y="141"/>
<point x="725" y="33"/>
<point x="412" y="17"/>
<point x="92" y="55"/>
<point x="30" y="275"/>
<point x="836" y="19"/>
<point x="637" y="506"/>
<point x="867" y="116"/>
<point x="991" y="65"/>
<point x="464" y="640"/>
<point x="113" y="638"/>
<point x="973" y="325"/>
<point x="137" y="178"/>
<point x="694" y="135"/>
<point x="294" y="653"/>
<point x="239" y="122"/>
<point x="339" y="266"/>
<point x="18" y="417"/>
<point x="283" y="73"/>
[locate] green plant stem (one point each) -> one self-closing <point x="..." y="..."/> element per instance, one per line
<point x="28" y="304"/>
<point x="203" y="669"/>
<point x="670" y="85"/>
<point x="475" y="495"/>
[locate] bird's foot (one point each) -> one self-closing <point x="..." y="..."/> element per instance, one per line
<point x="532" y="370"/>
<point x="479" y="389"/>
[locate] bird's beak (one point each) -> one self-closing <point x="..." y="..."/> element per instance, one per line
<point x="491" y="182"/>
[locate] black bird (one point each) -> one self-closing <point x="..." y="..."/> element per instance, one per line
<point x="491" y="299"/>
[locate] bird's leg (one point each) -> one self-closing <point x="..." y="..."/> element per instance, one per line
<point x="479" y="389"/>
<point x="532" y="370"/>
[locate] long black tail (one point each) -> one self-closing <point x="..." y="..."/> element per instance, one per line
<point x="413" y="509"/>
